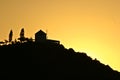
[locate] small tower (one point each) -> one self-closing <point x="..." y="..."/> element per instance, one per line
<point x="40" y="36"/>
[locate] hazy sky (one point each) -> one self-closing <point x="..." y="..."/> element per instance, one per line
<point x="91" y="26"/>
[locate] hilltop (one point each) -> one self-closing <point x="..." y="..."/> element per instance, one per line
<point x="51" y="61"/>
<point x="47" y="59"/>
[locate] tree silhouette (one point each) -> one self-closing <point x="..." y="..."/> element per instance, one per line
<point x="22" y="38"/>
<point x="22" y="33"/>
<point x="10" y="35"/>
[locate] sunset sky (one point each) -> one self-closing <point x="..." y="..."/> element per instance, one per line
<point x="90" y="26"/>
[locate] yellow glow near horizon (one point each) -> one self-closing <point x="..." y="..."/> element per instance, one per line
<point x="90" y="26"/>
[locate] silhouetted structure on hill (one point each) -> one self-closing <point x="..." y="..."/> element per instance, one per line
<point x="40" y="36"/>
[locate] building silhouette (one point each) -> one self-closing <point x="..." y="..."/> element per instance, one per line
<point x="40" y="36"/>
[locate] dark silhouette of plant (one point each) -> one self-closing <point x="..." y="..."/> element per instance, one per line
<point x="10" y="35"/>
<point x="22" y="37"/>
<point x="29" y="39"/>
<point x="6" y="42"/>
<point x="1" y="43"/>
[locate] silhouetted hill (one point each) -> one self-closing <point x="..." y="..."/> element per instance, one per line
<point x="50" y="61"/>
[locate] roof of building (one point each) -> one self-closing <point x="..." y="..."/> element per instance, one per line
<point x="40" y="32"/>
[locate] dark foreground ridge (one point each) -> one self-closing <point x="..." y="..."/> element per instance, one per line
<point x="50" y="61"/>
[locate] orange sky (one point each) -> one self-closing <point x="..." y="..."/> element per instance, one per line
<point x="91" y="26"/>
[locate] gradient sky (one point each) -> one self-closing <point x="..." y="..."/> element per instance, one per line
<point x="91" y="26"/>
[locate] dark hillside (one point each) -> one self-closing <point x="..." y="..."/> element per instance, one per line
<point x="50" y="61"/>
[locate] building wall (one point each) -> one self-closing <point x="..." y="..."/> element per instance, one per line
<point x="40" y="38"/>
